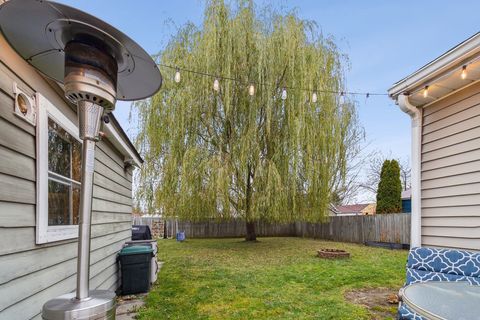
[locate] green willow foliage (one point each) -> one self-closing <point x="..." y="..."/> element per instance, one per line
<point x="226" y="154"/>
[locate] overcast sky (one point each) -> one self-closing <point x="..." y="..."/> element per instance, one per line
<point x="384" y="40"/>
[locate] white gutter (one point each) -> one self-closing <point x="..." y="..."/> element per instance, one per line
<point x="416" y="218"/>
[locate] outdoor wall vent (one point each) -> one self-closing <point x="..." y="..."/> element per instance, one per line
<point x="25" y="105"/>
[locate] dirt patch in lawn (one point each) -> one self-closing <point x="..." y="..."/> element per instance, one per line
<point x="381" y="302"/>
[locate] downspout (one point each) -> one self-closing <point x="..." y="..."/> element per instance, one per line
<point x="416" y="218"/>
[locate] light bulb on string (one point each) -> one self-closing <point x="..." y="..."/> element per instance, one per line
<point x="177" y="76"/>
<point x="216" y="85"/>
<point x="342" y="98"/>
<point x="251" y="89"/>
<point x="314" y="97"/>
<point x="284" y="93"/>
<point x="425" y="92"/>
<point x="464" y="73"/>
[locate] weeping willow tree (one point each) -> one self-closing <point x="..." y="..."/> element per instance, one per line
<point x="228" y="154"/>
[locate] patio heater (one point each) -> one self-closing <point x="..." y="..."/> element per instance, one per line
<point x="97" y="65"/>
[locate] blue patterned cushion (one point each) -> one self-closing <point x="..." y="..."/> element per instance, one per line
<point x="449" y="261"/>
<point x="414" y="275"/>
<point x="430" y="264"/>
<point x="405" y="313"/>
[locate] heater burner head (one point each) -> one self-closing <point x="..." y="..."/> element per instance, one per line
<point x="40" y="31"/>
<point x="90" y="74"/>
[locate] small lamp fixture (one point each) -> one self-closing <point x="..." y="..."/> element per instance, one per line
<point x="425" y="92"/>
<point x="464" y="73"/>
<point x="177" y="77"/>
<point x="216" y="85"/>
<point x="342" y="98"/>
<point x="251" y="89"/>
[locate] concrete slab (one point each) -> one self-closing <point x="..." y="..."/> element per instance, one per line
<point x="128" y="306"/>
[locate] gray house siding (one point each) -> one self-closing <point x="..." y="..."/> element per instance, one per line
<point x="451" y="171"/>
<point x="31" y="274"/>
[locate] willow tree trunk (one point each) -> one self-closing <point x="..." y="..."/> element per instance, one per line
<point x="250" y="227"/>
<point x="251" y="235"/>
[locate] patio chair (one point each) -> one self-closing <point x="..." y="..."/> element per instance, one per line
<point x="430" y="264"/>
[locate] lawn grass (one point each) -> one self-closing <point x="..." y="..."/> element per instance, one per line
<point x="275" y="278"/>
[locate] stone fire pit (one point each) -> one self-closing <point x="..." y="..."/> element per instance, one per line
<point x="333" y="254"/>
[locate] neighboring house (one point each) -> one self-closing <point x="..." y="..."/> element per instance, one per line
<point x="443" y="100"/>
<point x="353" y="210"/>
<point x="407" y="201"/>
<point x="39" y="192"/>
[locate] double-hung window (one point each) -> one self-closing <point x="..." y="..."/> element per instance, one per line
<point x="59" y="152"/>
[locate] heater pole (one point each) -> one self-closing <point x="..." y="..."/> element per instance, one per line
<point x="83" y="263"/>
<point x="89" y="125"/>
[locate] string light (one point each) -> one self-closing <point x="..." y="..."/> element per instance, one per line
<point x="464" y="73"/>
<point x="216" y="85"/>
<point x="425" y="92"/>
<point x="251" y="89"/>
<point x="177" y="76"/>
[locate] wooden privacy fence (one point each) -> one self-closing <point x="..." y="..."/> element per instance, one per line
<point x="234" y="228"/>
<point x="392" y="228"/>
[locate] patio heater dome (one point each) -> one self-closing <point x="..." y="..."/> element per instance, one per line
<point x="40" y="32"/>
<point x="97" y="65"/>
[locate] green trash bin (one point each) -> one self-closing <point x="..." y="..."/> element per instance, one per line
<point x="135" y="264"/>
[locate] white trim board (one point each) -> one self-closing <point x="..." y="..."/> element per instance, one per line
<point x="44" y="232"/>
<point x="121" y="144"/>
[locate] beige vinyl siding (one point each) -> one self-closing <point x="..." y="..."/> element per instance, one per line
<point x="451" y="171"/>
<point x="31" y="274"/>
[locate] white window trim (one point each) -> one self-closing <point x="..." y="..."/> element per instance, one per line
<point x="44" y="232"/>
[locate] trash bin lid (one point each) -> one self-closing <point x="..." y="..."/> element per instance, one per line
<point x="135" y="250"/>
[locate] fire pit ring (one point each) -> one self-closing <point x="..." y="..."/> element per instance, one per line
<point x="333" y="254"/>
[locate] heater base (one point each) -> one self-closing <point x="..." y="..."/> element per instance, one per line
<point x="100" y="305"/>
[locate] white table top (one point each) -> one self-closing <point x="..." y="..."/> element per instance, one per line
<point x="444" y="300"/>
